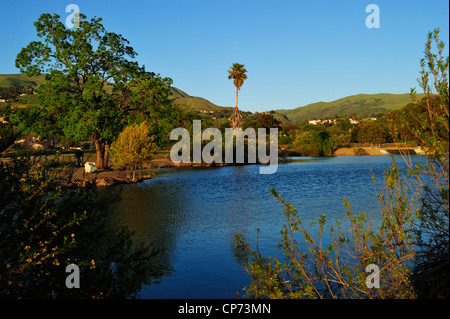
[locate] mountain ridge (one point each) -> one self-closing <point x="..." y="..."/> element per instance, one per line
<point x="360" y="104"/>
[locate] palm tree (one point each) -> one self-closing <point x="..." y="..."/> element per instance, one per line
<point x="237" y="72"/>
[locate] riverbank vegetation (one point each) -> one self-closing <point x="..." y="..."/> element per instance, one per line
<point x="47" y="222"/>
<point x="403" y="254"/>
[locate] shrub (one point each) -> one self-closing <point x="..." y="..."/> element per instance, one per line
<point x="360" y="151"/>
<point x="132" y="148"/>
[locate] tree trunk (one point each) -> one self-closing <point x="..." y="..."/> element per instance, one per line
<point x="100" y="149"/>
<point x="235" y="118"/>
<point x="106" y="156"/>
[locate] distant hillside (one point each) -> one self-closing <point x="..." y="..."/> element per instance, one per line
<point x="15" y="80"/>
<point x="361" y="105"/>
<point x="178" y="97"/>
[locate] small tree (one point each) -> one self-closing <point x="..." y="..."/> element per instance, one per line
<point x="132" y="148"/>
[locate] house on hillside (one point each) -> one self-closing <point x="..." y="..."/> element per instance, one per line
<point x="317" y="122"/>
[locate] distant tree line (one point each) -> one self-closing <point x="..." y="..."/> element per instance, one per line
<point x="15" y="91"/>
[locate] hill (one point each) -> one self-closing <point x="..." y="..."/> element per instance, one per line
<point x="16" y="80"/>
<point x="361" y="105"/>
<point x="196" y="103"/>
<point x="178" y="97"/>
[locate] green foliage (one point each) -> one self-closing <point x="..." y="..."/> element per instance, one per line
<point x="372" y="132"/>
<point x="263" y="121"/>
<point x="268" y="121"/>
<point x="431" y="276"/>
<point x="337" y="269"/>
<point x="7" y="137"/>
<point x="325" y="143"/>
<point x="285" y="140"/>
<point x="238" y="73"/>
<point x="341" y="133"/>
<point x="132" y="148"/>
<point x="323" y="139"/>
<point x="360" y="151"/>
<point x="314" y="140"/>
<point x="91" y="84"/>
<point x="47" y="222"/>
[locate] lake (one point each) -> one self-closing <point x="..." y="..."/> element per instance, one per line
<point x="195" y="214"/>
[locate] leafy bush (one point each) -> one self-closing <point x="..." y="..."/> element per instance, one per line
<point x="360" y="151"/>
<point x="132" y="148"/>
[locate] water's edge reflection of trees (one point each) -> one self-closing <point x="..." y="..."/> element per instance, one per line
<point x="47" y="222"/>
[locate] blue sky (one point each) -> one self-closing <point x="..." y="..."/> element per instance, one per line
<point x="296" y="52"/>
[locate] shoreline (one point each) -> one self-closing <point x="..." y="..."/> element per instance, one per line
<point x="362" y="151"/>
<point x="112" y="177"/>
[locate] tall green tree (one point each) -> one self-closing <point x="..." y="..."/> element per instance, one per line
<point x="238" y="73"/>
<point x="92" y="84"/>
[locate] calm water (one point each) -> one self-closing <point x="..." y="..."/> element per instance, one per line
<point x="196" y="213"/>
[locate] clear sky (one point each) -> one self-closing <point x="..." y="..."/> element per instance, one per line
<point x="296" y="52"/>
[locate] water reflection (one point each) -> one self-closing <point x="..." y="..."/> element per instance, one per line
<point x="46" y="224"/>
<point x="196" y="213"/>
